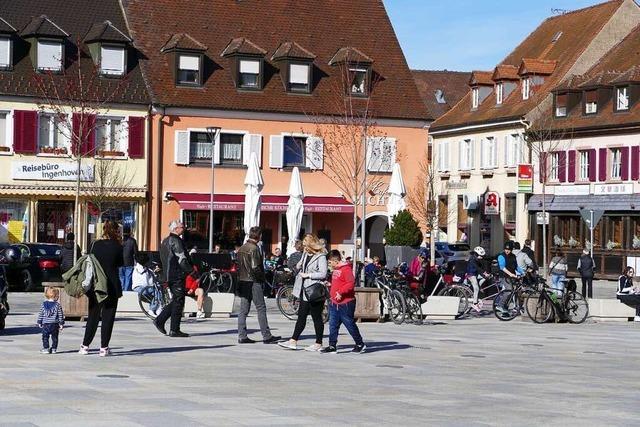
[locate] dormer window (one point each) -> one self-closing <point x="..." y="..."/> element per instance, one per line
<point x="296" y="67"/>
<point x="499" y="93"/>
<point x="358" y="65"/>
<point x="358" y="81"/>
<point x="50" y="55"/>
<point x="5" y="53"/>
<point x="249" y="71"/>
<point x="108" y="47"/>
<point x="561" y="105"/>
<point x="622" y="98"/>
<point x="112" y="60"/>
<point x="300" y="78"/>
<point x="526" y="88"/>
<point x="189" y="69"/>
<point x="475" y="97"/>
<point x="591" y="102"/>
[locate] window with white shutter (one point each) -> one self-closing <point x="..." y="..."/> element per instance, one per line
<point x="513" y="150"/>
<point x="5" y="52"/>
<point x="49" y="55"/>
<point x="299" y="78"/>
<point x="314" y="153"/>
<point x="249" y="74"/>
<point x="189" y="72"/>
<point x="252" y="143"/>
<point x="464" y="152"/>
<point x="112" y="60"/>
<point x="182" y="147"/>
<point x="488" y="153"/>
<point x="276" y="151"/>
<point x="443" y="156"/>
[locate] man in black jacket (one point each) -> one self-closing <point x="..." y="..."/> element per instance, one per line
<point x="586" y="268"/>
<point x="129" y="252"/>
<point x="67" y="253"/>
<point x="176" y="264"/>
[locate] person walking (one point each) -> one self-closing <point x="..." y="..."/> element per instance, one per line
<point x="312" y="269"/>
<point x="176" y="264"/>
<point x="50" y="320"/>
<point x="108" y="252"/>
<point x="586" y="268"/>
<point x="558" y="268"/>
<point x="529" y="251"/>
<point x="250" y="279"/>
<point x="129" y="252"/>
<point x="343" y="304"/>
<point x="66" y="253"/>
<point x="295" y="257"/>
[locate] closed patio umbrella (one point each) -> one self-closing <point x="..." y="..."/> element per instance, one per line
<point x="253" y="187"/>
<point x="295" y="209"/>
<point x="396" y="191"/>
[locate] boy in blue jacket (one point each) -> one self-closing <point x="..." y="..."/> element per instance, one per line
<point x="50" y="320"/>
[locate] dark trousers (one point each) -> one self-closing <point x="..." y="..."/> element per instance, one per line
<point x="106" y="310"/>
<point x="587" y="287"/>
<point x="343" y="314"/>
<point x="175" y="307"/>
<point x="315" y="308"/>
<point x="252" y="291"/>
<point x="631" y="301"/>
<point x="50" y="330"/>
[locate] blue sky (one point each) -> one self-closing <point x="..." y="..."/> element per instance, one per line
<point x="467" y="34"/>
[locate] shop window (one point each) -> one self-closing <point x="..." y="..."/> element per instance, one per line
<point x="554" y="166"/>
<point x="14" y="221"/>
<point x="615" y="156"/>
<point x="111" y="137"/>
<point x="463" y="221"/>
<point x="51" y="134"/>
<point x="583" y="162"/>
<point x="634" y="233"/>
<point x="122" y="213"/>
<point x="614" y="233"/>
<point x="510" y="208"/>
<point x="443" y="213"/>
<point x="294" y="151"/>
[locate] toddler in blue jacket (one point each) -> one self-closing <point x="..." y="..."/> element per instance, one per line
<point x="50" y="320"/>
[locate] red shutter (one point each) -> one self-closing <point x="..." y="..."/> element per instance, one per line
<point x="592" y="165"/>
<point x="543" y="167"/>
<point x="624" y="160"/>
<point x="25" y="131"/>
<point x="562" y="166"/>
<point x="602" y="164"/>
<point x="571" y="166"/>
<point x="136" y="137"/>
<point x="635" y="163"/>
<point x="88" y="143"/>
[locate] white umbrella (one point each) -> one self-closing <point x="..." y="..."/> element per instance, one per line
<point x="396" y="191"/>
<point x="295" y="209"/>
<point x="253" y="187"/>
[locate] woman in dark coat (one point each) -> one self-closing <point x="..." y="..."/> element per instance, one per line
<point x="108" y="252"/>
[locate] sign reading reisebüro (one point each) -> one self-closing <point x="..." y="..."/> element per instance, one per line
<point x="43" y="170"/>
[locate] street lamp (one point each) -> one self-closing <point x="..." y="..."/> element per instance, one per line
<point x="212" y="132"/>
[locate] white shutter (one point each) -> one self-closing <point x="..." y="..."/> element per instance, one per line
<point x="445" y="156"/>
<point x="299" y="74"/>
<point x="182" y="148"/>
<point x="249" y="67"/>
<point x="472" y="154"/>
<point x="5" y="52"/>
<point x="216" y="149"/>
<point x="461" y="165"/>
<point x="389" y="154"/>
<point x="189" y="62"/>
<point x="276" y="151"/>
<point x="49" y="55"/>
<point x="251" y="143"/>
<point x="507" y="151"/>
<point x="314" y="152"/>
<point x="370" y="143"/>
<point x="483" y="153"/>
<point x="494" y="160"/>
<point x="112" y="60"/>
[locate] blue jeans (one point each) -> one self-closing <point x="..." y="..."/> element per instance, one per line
<point x="125" y="277"/>
<point x="50" y="330"/>
<point x="343" y="314"/>
<point x="557" y="283"/>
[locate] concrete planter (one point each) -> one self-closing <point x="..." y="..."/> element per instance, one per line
<point x="396" y="255"/>
<point x="441" y="308"/>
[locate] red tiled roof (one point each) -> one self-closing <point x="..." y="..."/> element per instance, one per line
<point x="632" y="75"/>
<point x="107" y="32"/>
<point x="242" y="46"/>
<point x="505" y="72"/>
<point x="578" y="29"/>
<point x="539" y="67"/>
<point x="349" y="54"/>
<point x="481" y="78"/>
<point x="322" y="27"/>
<point x="183" y="41"/>
<point x="292" y="50"/>
<point x="453" y="85"/>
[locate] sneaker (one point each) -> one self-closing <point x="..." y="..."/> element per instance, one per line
<point x="45" y="351"/>
<point x="314" y="347"/>
<point x="636" y="319"/>
<point x="289" y="345"/>
<point x="330" y="349"/>
<point x="54" y="350"/>
<point x="105" y="352"/>
<point x="84" y="350"/>
<point x="359" y="349"/>
<point x="476" y="307"/>
<point x="200" y="315"/>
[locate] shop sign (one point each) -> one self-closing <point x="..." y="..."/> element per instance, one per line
<point x="44" y="170"/>
<point x="605" y="189"/>
<point x="572" y="190"/>
<point x="492" y="203"/>
<point x="525" y="179"/>
<point x="456" y="185"/>
<point x="377" y="194"/>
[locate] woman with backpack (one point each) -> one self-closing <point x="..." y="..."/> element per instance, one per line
<point x="586" y="268"/>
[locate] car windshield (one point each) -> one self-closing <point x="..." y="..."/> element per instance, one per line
<point x="45" y="250"/>
<point x="458" y="247"/>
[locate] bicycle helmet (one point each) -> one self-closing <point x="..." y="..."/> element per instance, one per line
<point x="479" y="250"/>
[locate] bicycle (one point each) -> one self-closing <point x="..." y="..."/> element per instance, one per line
<point x="546" y="305"/>
<point x="158" y="295"/>
<point x="509" y="303"/>
<point x="288" y="303"/>
<point x="451" y="289"/>
<point x="215" y="280"/>
<point x="392" y="299"/>
<point x="413" y="306"/>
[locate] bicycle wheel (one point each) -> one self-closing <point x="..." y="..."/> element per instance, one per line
<point x="576" y="307"/>
<point x="414" y="309"/>
<point x="506" y="305"/>
<point x="539" y="307"/>
<point x="145" y="301"/>
<point x="287" y="303"/>
<point x="463" y="299"/>
<point x="225" y="283"/>
<point x="206" y="283"/>
<point x="153" y="297"/>
<point x="396" y="306"/>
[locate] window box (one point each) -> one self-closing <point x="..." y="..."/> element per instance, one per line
<point x="487" y="173"/>
<point x="465" y="175"/>
<point x="53" y="151"/>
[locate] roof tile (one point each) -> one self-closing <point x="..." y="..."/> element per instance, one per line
<point x="242" y="46"/>
<point x="183" y="41"/>
<point x="292" y="50"/>
<point x="43" y="26"/>
<point x="450" y="86"/>
<point x="106" y="32"/>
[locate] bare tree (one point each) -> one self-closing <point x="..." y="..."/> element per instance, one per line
<point x="422" y="201"/>
<point x="74" y="98"/>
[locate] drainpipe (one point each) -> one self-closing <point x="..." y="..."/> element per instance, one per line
<point x="159" y="187"/>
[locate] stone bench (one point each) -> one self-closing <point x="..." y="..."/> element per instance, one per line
<point x="610" y="310"/>
<point x="441" y="308"/>
<point x="215" y="305"/>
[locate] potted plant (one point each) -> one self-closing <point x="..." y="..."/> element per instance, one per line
<point x="402" y="239"/>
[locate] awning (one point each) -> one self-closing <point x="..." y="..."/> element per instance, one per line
<point x="621" y="202"/>
<point x="272" y="203"/>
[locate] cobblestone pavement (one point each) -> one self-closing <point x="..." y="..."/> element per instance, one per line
<point x="475" y="372"/>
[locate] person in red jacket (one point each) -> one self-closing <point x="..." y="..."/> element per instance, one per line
<point x="343" y="304"/>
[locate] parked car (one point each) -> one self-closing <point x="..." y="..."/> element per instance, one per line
<point x="454" y="251"/>
<point x="38" y="263"/>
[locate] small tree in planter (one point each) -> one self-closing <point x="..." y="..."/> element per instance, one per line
<point x="402" y="238"/>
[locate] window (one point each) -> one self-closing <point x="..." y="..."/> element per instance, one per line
<point x="112" y="60"/>
<point x="489" y="153"/>
<point x="554" y="166"/>
<point x="475" y="97"/>
<point x="4" y="140"/>
<point x="514" y="153"/>
<point x="110" y="136"/>
<point x="294" y="151"/>
<point x="231" y="148"/>
<point x="49" y="56"/>
<point x="616" y="163"/>
<point x="5" y="52"/>
<point x="591" y="102"/>
<point x="51" y="134"/>
<point x="622" y="97"/>
<point x="299" y="78"/>
<point x="381" y="154"/>
<point x="466" y="155"/>
<point x="510" y="208"/>
<point x="189" y="69"/>
<point x="201" y="147"/>
<point x="249" y="74"/>
<point x="443" y="156"/>
<point x="561" y="105"/>
<point x="358" y="81"/>
<point x="499" y="93"/>
<point x="583" y="174"/>
<point x="440" y="98"/>
<point x="526" y="88"/>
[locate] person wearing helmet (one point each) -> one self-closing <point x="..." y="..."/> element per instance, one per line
<point x="476" y="269"/>
<point x="508" y="266"/>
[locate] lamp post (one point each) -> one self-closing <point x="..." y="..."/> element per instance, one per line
<point x="212" y="133"/>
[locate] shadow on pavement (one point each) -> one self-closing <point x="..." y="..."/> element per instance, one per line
<point x="376" y="346"/>
<point x="141" y="351"/>
<point x="227" y="332"/>
<point x="21" y="330"/>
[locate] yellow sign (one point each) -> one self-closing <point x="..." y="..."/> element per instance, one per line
<point x="15" y="231"/>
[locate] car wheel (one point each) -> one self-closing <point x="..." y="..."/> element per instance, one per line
<point x="27" y="281"/>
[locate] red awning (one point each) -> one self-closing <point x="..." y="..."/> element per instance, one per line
<point x="272" y="203"/>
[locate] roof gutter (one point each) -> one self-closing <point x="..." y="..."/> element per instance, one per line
<point x="475" y="127"/>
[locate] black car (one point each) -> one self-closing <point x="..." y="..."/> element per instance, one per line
<point x="38" y="263"/>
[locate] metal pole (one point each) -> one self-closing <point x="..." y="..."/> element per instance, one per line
<point x="212" y="133"/>
<point x="363" y="221"/>
<point x="591" y="227"/>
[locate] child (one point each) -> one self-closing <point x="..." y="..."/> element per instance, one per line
<point x="193" y="289"/>
<point x="343" y="304"/>
<point x="50" y="320"/>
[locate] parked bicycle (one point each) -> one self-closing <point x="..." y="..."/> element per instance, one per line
<point x="215" y="279"/>
<point x="153" y="299"/>
<point x="288" y="304"/>
<point x="547" y="304"/>
<point x="510" y="303"/>
<point x="392" y="299"/>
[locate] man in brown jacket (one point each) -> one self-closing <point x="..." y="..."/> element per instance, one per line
<point x="250" y="279"/>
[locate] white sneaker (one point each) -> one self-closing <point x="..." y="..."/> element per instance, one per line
<point x="105" y="352"/>
<point x="314" y="347"/>
<point x="83" y="350"/>
<point x="636" y="319"/>
<point x="289" y="345"/>
<point x="200" y="315"/>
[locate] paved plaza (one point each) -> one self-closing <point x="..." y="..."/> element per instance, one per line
<point x="474" y="372"/>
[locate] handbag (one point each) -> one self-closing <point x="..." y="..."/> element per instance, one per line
<point x="316" y="292"/>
